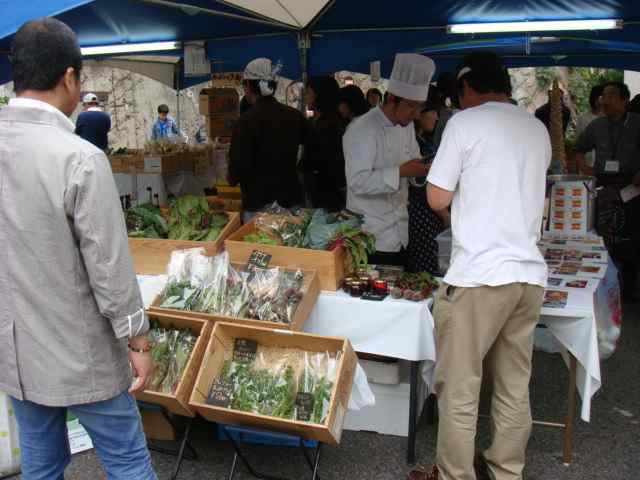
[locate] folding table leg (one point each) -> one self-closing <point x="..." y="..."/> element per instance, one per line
<point x="245" y="461"/>
<point x="312" y="465"/>
<point x="183" y="445"/>
<point x="571" y="411"/>
<point x="413" y="413"/>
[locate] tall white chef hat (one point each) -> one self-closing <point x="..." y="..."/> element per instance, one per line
<point x="411" y="76"/>
<point x="263" y="70"/>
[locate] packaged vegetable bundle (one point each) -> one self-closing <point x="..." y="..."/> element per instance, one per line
<point x="170" y="352"/>
<point x="187" y="272"/>
<point x="276" y="295"/>
<point x="286" y="383"/>
<point x="281" y="229"/>
<point x="213" y="285"/>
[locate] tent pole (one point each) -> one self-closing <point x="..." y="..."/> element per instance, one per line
<point x="178" y="86"/>
<point x="304" y="45"/>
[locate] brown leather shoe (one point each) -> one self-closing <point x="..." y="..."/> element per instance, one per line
<point x="481" y="467"/>
<point x="422" y="475"/>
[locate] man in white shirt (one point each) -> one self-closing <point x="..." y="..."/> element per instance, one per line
<point x="381" y="152"/>
<point x="491" y="167"/>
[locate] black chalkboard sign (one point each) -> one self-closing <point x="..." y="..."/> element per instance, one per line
<point x="221" y="393"/>
<point x="304" y="406"/>
<point x="245" y="350"/>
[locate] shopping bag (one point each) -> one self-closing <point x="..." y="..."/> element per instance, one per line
<point x="9" y="441"/>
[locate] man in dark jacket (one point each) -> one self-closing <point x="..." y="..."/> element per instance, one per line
<point x="93" y="124"/>
<point x="265" y="144"/>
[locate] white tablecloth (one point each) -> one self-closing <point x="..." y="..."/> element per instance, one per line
<point x="391" y="328"/>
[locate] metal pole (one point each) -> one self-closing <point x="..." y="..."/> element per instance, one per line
<point x="304" y="44"/>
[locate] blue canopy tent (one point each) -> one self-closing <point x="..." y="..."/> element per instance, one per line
<point x="324" y="36"/>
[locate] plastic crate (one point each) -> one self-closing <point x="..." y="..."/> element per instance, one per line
<point x="262" y="437"/>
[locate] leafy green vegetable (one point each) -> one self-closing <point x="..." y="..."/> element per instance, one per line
<point x="146" y="221"/>
<point x="261" y="238"/>
<point x="261" y="391"/>
<point x="358" y="243"/>
<point x="171" y="349"/>
<point x="191" y="219"/>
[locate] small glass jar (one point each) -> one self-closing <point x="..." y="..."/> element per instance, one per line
<point x="381" y="287"/>
<point x="355" y="289"/>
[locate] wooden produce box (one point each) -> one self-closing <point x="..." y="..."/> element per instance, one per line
<point x="227" y="204"/>
<point x="225" y="191"/>
<point x="220" y="348"/>
<point x="169" y="163"/>
<point x="178" y="403"/>
<point x="219" y="101"/>
<point x="127" y="163"/>
<point x="310" y="293"/>
<point x="328" y="264"/>
<point x="221" y="125"/>
<point x="151" y="255"/>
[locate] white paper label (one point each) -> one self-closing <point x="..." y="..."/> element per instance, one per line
<point x="153" y="164"/>
<point x="612" y="166"/>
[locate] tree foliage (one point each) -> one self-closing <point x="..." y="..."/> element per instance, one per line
<point x="581" y="81"/>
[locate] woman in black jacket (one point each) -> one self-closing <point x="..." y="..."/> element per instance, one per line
<point x="323" y="163"/>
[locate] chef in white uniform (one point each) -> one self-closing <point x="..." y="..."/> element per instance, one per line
<point x="381" y="153"/>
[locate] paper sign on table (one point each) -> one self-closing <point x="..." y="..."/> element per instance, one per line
<point x="569" y="208"/>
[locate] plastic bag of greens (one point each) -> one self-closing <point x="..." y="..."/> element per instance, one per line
<point x="284" y="229"/>
<point x="238" y="294"/>
<point x="180" y="264"/>
<point x="315" y="384"/>
<point x="181" y="346"/>
<point x="160" y="353"/>
<point x="264" y="287"/>
<point x="214" y="294"/>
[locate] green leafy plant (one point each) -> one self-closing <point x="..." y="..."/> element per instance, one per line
<point x="191" y="218"/>
<point x="359" y="245"/>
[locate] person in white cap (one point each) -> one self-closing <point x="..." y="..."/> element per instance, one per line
<point x="381" y="152"/>
<point x="265" y="143"/>
<point x="93" y="124"/>
<point x="491" y="167"/>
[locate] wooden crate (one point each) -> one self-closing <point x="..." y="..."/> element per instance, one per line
<point x="151" y="255"/>
<point x="219" y="101"/>
<point x="310" y="293"/>
<point x="234" y="193"/>
<point x="127" y="163"/>
<point x="178" y="403"/>
<point x="171" y="163"/>
<point x="328" y="264"/>
<point x="221" y="125"/>
<point x="220" y="348"/>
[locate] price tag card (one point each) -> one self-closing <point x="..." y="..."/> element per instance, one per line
<point x="221" y="393"/>
<point x="245" y="350"/>
<point x="258" y="261"/>
<point x="304" y="406"/>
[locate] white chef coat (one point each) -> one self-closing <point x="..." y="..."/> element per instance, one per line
<point x="374" y="149"/>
